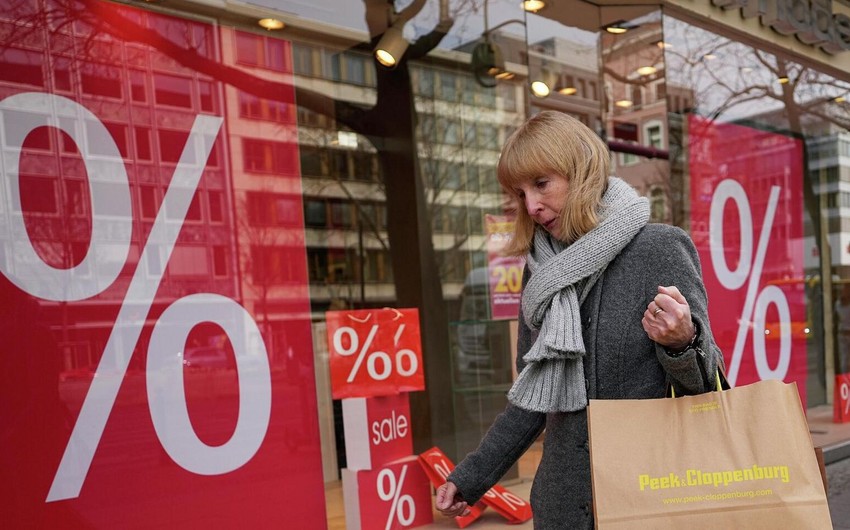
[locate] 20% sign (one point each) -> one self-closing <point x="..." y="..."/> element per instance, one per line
<point x="111" y="228"/>
<point x="749" y="271"/>
<point x="374" y="352"/>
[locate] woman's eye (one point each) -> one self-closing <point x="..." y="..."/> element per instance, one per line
<point x="541" y="184"/>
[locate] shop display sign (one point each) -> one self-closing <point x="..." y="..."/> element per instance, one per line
<point x="504" y="272"/>
<point x="141" y="385"/>
<point x="438" y="467"/>
<point x="841" y="401"/>
<point x="503" y="501"/>
<point x="812" y="21"/>
<point x="374" y="352"/>
<point x="394" y="496"/>
<point x="377" y="430"/>
<point x="746" y="222"/>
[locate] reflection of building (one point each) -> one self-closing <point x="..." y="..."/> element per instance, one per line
<point x="149" y="119"/>
<point x="638" y="103"/>
<point x="461" y="127"/>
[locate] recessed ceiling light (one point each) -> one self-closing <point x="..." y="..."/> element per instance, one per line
<point x="839" y="99"/>
<point x="624" y="103"/>
<point x="270" y="23"/>
<point x="661" y="44"/>
<point x="709" y="56"/>
<point x="646" y="70"/>
<point x="533" y="6"/>
<point x="567" y="90"/>
<point x="540" y="89"/>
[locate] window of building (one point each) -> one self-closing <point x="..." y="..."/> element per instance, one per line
<point x="448" y="86"/>
<point x="262" y="52"/>
<point x="305" y="58"/>
<point x="215" y="199"/>
<point x="653" y="134"/>
<point x="172" y="90"/>
<point x="263" y="156"/>
<point x="657" y="204"/>
<point x="315" y="213"/>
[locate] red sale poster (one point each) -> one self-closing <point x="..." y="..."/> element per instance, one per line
<point x="746" y="221"/>
<point x="152" y="376"/>
<point x="504" y="272"/>
<point x="374" y="352"/>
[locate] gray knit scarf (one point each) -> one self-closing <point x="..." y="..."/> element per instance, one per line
<point x="561" y="277"/>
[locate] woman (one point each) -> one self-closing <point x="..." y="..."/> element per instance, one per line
<point x="612" y="308"/>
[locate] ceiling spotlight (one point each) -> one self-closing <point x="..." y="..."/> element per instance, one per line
<point x="540" y="89"/>
<point x="619" y="27"/>
<point x="709" y="56"/>
<point x="533" y="6"/>
<point x="624" y="103"/>
<point x="567" y="90"/>
<point x="783" y="80"/>
<point x="646" y="70"/>
<point x="391" y="47"/>
<point x="663" y="45"/>
<point x="270" y="23"/>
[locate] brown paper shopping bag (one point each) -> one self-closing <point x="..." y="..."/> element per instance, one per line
<point x="741" y="458"/>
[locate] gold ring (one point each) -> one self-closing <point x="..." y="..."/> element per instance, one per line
<point x="657" y="310"/>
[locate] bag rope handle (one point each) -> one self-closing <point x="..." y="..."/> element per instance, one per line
<point x="716" y="379"/>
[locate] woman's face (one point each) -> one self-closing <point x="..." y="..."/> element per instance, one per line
<point x="544" y="197"/>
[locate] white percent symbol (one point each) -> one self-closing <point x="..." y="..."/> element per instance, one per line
<point x="110" y="240"/>
<point x="750" y="270"/>
<point x="392" y="492"/>
<point x="346" y="334"/>
<point x="845" y="396"/>
<point x="507" y="497"/>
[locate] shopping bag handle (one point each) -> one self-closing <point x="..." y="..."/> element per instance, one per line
<point x="719" y="379"/>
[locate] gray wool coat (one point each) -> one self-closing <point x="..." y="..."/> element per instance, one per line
<point x="621" y="363"/>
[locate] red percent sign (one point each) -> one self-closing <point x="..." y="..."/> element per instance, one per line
<point x="164" y="371"/>
<point x="438" y="466"/>
<point x="374" y="352"/>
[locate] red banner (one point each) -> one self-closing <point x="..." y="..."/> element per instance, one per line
<point x="841" y="401"/>
<point x="153" y="373"/>
<point x="746" y="221"/>
<point x="374" y="352"/>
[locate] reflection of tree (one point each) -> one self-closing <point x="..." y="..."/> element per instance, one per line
<point x="389" y="125"/>
<point x="731" y="81"/>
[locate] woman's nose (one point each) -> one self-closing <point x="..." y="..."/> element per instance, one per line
<point x="532" y="205"/>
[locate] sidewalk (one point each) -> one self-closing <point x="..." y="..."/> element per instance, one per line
<point x="834" y="438"/>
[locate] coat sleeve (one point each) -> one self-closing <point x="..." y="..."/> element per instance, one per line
<point x="692" y="372"/>
<point x="510" y="435"/>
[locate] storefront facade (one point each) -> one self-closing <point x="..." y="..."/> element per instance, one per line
<point x="187" y="194"/>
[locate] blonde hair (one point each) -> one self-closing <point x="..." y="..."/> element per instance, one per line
<point x="555" y="143"/>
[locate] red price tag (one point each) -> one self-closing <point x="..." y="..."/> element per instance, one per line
<point x="841" y="410"/>
<point x="438" y="467"/>
<point x="374" y="352"/>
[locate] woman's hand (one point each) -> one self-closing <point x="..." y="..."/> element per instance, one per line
<point x="667" y="319"/>
<point x="449" y="502"/>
